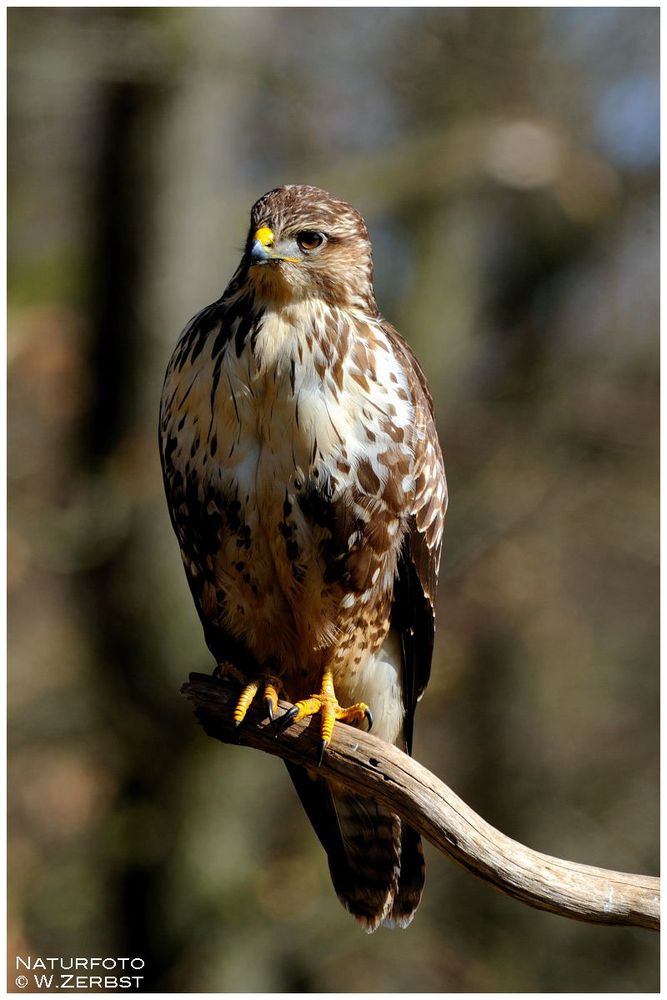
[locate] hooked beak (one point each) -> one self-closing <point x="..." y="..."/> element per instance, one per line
<point x="262" y="248"/>
<point x="258" y="253"/>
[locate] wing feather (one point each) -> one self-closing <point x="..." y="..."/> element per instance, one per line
<point x="413" y="610"/>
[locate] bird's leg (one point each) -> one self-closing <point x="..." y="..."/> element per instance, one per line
<point x="227" y="669"/>
<point x="270" y="686"/>
<point x="326" y="703"/>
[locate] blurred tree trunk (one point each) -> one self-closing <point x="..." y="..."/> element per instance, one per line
<point x="149" y="735"/>
<point x="160" y="164"/>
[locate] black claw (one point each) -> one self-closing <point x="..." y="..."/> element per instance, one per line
<point x="323" y="746"/>
<point x="369" y="719"/>
<point x="268" y="705"/>
<point x="285" y="720"/>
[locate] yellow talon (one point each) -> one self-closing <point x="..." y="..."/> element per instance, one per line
<point x="244" y="702"/>
<point x="328" y="721"/>
<point x="270" y="687"/>
<point x="270" y="698"/>
<point x="327" y="705"/>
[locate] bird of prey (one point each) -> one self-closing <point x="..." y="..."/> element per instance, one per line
<point x="306" y="487"/>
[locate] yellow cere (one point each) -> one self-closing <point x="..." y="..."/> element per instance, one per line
<point x="265" y="236"/>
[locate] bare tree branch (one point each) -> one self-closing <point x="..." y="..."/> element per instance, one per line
<point x="375" y="768"/>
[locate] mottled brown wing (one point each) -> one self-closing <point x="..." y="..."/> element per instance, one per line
<point x="376" y="861"/>
<point x="413" y="610"/>
<point x="196" y="529"/>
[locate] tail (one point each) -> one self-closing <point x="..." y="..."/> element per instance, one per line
<point x="375" y="860"/>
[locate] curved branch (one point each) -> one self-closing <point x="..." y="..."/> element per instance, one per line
<point x="378" y="769"/>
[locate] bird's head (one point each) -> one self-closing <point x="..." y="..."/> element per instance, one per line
<point x="305" y="244"/>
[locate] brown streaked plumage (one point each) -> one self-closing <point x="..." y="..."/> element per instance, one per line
<point x="306" y="486"/>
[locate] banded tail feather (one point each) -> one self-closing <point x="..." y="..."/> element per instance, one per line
<point x="375" y="860"/>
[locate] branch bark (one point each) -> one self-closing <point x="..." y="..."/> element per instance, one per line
<point x="372" y="767"/>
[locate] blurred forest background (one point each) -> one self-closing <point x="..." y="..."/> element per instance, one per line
<point x="506" y="161"/>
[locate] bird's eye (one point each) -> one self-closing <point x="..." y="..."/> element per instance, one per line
<point x="309" y="240"/>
